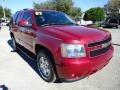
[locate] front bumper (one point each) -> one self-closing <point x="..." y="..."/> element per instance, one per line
<point x="74" y="69"/>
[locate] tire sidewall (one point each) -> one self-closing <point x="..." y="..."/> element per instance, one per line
<point x="14" y="45"/>
<point x="51" y="77"/>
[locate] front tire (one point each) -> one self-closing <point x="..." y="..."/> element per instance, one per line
<point x="45" y="66"/>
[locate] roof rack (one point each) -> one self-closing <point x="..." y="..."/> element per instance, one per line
<point x="26" y="9"/>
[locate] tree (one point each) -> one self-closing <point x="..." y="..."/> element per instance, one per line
<point x="113" y="6"/>
<point x="46" y="5"/>
<point x="7" y="12"/>
<point x="66" y="6"/>
<point x="95" y="14"/>
<point x="63" y="5"/>
<point x="76" y="13"/>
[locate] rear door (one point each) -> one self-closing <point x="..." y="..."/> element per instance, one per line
<point x="14" y="26"/>
<point x="27" y="35"/>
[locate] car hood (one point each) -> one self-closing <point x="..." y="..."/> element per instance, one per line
<point x="78" y="33"/>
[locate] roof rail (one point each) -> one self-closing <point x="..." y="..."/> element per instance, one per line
<point x="26" y="9"/>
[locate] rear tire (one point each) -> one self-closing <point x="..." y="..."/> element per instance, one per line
<point x="14" y="44"/>
<point x="45" y="66"/>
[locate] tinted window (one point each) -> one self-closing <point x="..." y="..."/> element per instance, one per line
<point x="27" y="17"/>
<point x="14" y="17"/>
<point x="19" y="17"/>
<point x="113" y="21"/>
<point x="11" y="20"/>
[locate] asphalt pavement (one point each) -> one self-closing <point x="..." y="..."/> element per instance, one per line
<point x="19" y="72"/>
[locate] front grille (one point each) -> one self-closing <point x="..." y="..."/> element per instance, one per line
<point x="99" y="51"/>
<point x="99" y="43"/>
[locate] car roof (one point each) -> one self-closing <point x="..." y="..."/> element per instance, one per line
<point x="33" y="10"/>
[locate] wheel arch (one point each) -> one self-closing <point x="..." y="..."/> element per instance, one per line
<point x="39" y="47"/>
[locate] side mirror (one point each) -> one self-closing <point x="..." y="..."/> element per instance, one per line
<point x="24" y="23"/>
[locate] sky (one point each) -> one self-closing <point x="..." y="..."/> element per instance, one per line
<point x="16" y="5"/>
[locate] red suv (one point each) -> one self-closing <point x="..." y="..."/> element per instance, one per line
<point x="63" y="49"/>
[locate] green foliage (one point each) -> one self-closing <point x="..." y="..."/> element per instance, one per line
<point x="61" y="5"/>
<point x="76" y="13"/>
<point x="7" y="12"/>
<point x="112" y="6"/>
<point x="46" y="5"/>
<point x="95" y="14"/>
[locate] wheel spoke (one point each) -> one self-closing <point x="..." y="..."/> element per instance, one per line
<point x="44" y="65"/>
<point x="47" y="72"/>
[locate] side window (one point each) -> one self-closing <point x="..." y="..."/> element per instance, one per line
<point x="13" y="19"/>
<point x="27" y="17"/>
<point x="113" y="21"/>
<point x="19" y="17"/>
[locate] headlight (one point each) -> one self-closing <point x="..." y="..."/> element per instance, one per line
<point x="72" y="51"/>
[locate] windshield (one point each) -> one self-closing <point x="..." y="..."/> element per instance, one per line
<point x="52" y="18"/>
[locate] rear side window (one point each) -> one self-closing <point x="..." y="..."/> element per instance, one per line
<point x="14" y="17"/>
<point x="27" y="17"/>
<point x="19" y="17"/>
